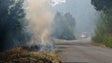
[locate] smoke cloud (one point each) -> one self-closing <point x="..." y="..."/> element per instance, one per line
<point x="84" y="13"/>
<point x="39" y="17"/>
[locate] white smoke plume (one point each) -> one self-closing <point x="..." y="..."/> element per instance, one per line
<point x="39" y="16"/>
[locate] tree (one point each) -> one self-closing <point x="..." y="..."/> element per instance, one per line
<point x="102" y="4"/>
<point x="3" y="20"/>
<point x="103" y="32"/>
<point x="64" y="26"/>
<point x="105" y="6"/>
<point x="11" y="24"/>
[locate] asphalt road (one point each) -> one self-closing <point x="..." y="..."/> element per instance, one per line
<point x="82" y="51"/>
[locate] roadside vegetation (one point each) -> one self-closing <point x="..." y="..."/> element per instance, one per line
<point x="23" y="55"/>
<point x="103" y="31"/>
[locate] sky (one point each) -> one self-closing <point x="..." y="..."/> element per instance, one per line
<point x="57" y="2"/>
<point x="83" y="12"/>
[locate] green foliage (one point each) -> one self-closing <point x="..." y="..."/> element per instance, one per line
<point x="11" y="24"/>
<point x="103" y="31"/>
<point x="100" y="30"/>
<point x="108" y="41"/>
<point x="102" y="4"/>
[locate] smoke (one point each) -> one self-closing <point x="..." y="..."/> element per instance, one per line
<point x="25" y="22"/>
<point x="84" y="13"/>
<point x="39" y="17"/>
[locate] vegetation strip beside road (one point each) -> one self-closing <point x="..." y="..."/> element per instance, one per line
<point x="22" y="55"/>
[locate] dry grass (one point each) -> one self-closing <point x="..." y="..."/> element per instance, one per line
<point x="22" y="55"/>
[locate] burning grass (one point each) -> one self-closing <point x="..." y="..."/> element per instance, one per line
<point x="23" y="55"/>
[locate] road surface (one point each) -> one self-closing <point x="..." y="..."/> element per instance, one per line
<point x="82" y="51"/>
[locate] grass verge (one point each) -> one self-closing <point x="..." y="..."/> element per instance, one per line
<point x="22" y="55"/>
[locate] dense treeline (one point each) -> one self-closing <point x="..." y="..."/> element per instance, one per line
<point x="103" y="32"/>
<point x="11" y="24"/>
<point x="63" y="26"/>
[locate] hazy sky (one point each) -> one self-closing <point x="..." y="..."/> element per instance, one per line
<point x="57" y="2"/>
<point x="82" y="11"/>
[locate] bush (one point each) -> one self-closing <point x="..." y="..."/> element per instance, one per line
<point x="108" y="41"/>
<point x="103" y="32"/>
